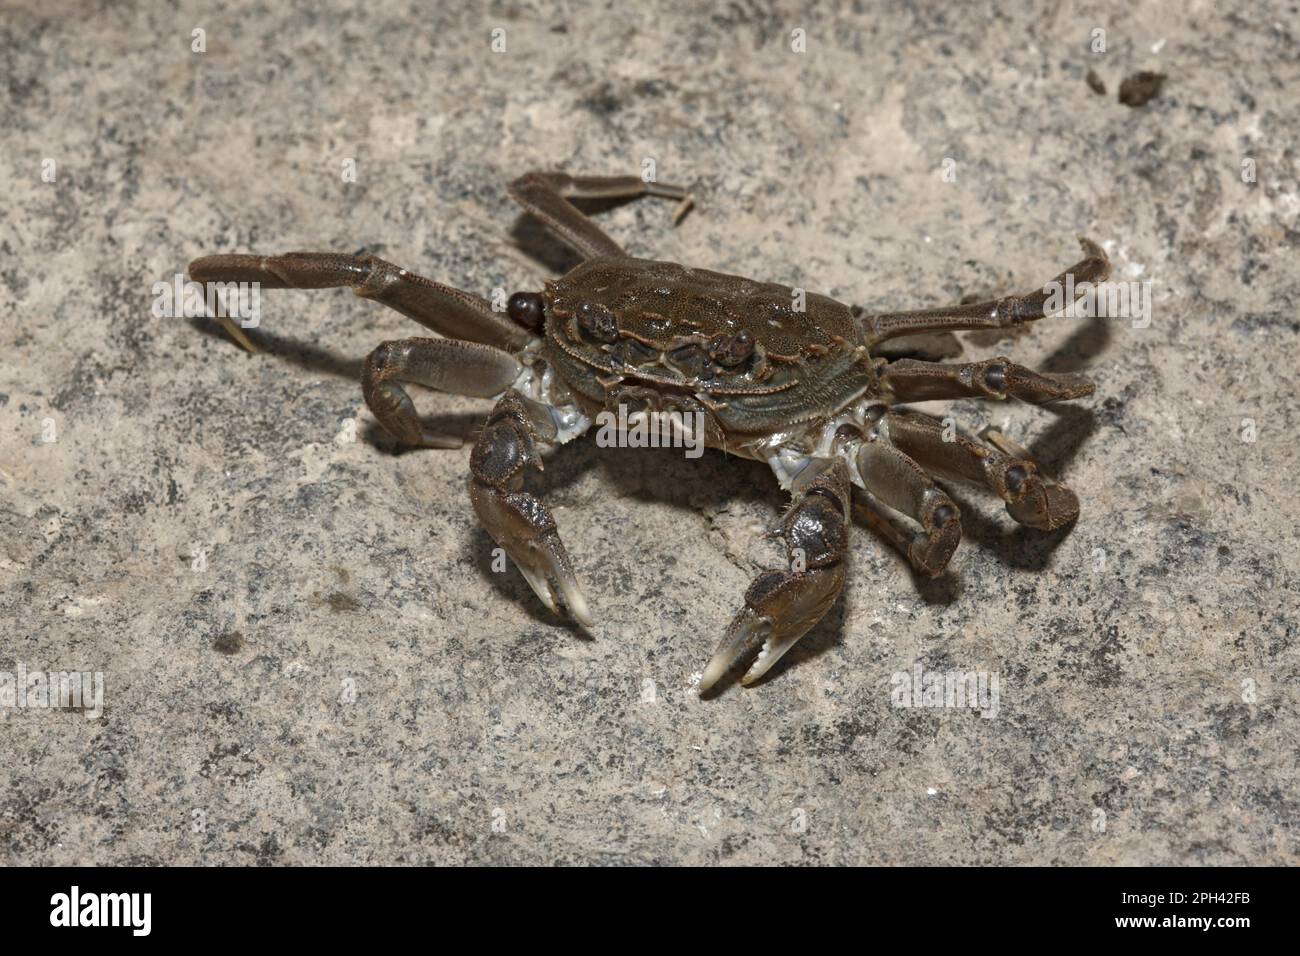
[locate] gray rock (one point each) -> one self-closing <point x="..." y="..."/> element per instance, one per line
<point x="306" y="656"/>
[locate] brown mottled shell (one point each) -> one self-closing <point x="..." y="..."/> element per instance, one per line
<point x="736" y="343"/>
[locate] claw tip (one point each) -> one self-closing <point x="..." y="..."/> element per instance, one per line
<point x="712" y="674"/>
<point x="577" y="604"/>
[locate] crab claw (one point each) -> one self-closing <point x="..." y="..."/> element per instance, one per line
<point x="516" y="519"/>
<point x="780" y="607"/>
<point x="523" y="526"/>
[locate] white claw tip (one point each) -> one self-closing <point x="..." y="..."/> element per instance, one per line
<point x="712" y="674"/>
<point x="577" y="604"/>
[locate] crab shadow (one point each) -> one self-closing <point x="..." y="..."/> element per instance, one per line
<point x="1084" y="344"/>
<point x="715" y="480"/>
<point x="462" y="425"/>
<point x="319" y="361"/>
<point x="296" y="352"/>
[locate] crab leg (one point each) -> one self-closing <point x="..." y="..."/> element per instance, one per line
<point x="896" y="481"/>
<point x="1032" y="498"/>
<point x="517" y="520"/>
<point x="782" y="606"/>
<point x="547" y="195"/>
<point x="1000" y="378"/>
<point x="447" y="311"/>
<point x="449" y="365"/>
<point x="995" y="314"/>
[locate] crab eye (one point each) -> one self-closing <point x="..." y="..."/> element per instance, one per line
<point x="731" y="350"/>
<point x="526" y="309"/>
<point x="598" y="322"/>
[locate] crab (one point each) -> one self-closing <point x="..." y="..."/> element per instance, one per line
<point x="813" y="387"/>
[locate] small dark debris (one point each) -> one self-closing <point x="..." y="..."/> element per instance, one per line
<point x="1095" y="83"/>
<point x="1141" y="88"/>
<point x="602" y="101"/>
<point x="654" y="87"/>
<point x="1265" y="322"/>
<point x="229" y="643"/>
<point x="342" y="602"/>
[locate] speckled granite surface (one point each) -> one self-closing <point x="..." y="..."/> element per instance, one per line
<point x="305" y="654"/>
